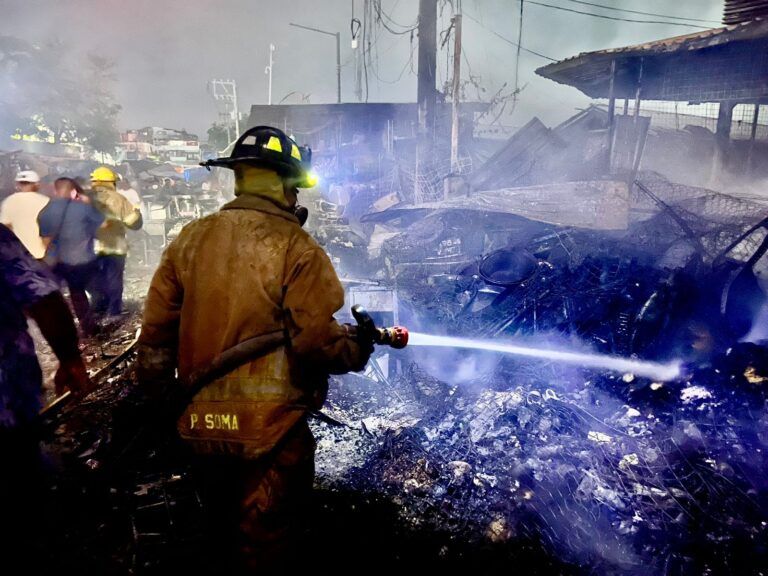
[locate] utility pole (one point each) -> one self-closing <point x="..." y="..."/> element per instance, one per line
<point x="354" y="27"/>
<point x="338" y="68"/>
<point x="426" y="94"/>
<point x="268" y="70"/>
<point x="236" y="110"/>
<point x="226" y="91"/>
<point x="455" y="96"/>
<point x="338" y="54"/>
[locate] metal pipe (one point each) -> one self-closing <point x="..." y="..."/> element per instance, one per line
<point x="338" y="68"/>
<point x="611" y="113"/>
<point x="456" y="88"/>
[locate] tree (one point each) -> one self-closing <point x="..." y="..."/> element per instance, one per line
<point x="98" y="124"/>
<point x="45" y="91"/>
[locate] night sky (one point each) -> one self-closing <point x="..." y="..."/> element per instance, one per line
<point x="168" y="50"/>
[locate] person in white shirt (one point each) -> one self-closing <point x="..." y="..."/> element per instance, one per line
<point x="20" y="210"/>
<point x="127" y="191"/>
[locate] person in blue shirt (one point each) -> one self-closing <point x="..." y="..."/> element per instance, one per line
<point x="28" y="288"/>
<point x="68" y="226"/>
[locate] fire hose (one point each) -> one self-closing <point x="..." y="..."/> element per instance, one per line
<point x="256" y="347"/>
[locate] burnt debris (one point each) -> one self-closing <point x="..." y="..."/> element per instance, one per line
<point x="469" y="459"/>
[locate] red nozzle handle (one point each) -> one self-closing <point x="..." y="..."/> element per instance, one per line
<point x="394" y="336"/>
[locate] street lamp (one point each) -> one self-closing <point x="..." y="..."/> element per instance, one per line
<point x="338" y="55"/>
<point x="268" y="70"/>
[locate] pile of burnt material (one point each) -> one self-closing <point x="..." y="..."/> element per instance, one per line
<point x="585" y="470"/>
<point x="601" y="473"/>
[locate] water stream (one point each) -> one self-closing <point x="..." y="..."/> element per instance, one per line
<point x="654" y="370"/>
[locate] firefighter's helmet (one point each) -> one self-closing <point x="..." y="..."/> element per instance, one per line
<point x="103" y="174"/>
<point x="271" y="148"/>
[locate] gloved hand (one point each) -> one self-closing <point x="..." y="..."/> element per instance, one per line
<point x="360" y="349"/>
<point x="72" y="376"/>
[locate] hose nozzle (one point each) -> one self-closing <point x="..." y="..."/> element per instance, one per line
<point x="394" y="336"/>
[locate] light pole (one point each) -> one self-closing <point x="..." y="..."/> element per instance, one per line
<point x="338" y="55"/>
<point x="268" y="70"/>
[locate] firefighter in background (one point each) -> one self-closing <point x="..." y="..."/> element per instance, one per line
<point x="247" y="270"/>
<point x="111" y="245"/>
<point x="27" y="287"/>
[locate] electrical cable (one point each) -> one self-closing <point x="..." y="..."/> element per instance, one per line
<point x="392" y="20"/>
<point x="400" y="76"/>
<point x="616" y="18"/>
<point x="644" y="13"/>
<point x="380" y="12"/>
<point x="507" y="40"/>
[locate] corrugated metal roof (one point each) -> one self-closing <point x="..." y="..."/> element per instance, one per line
<point x="590" y="71"/>
<point x="696" y="40"/>
<point x="736" y="11"/>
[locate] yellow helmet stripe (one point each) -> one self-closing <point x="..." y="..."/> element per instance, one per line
<point x="274" y="144"/>
<point x="295" y="152"/>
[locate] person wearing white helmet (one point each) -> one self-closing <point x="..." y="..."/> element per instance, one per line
<point x="20" y="210"/>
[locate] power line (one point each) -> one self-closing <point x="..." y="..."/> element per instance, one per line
<point x="507" y="40"/>
<point x="380" y="12"/>
<point x="408" y="62"/>
<point x="616" y="18"/>
<point x="643" y="13"/>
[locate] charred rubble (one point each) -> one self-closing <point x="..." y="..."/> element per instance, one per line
<point x="474" y="460"/>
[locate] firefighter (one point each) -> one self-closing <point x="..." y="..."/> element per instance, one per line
<point x="111" y="244"/>
<point x="245" y="271"/>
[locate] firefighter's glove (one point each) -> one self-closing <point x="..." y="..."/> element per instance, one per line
<point x="360" y="347"/>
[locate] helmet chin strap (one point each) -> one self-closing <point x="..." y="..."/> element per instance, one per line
<point x="292" y="194"/>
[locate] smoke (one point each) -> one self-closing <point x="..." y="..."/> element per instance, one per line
<point x="759" y="331"/>
<point x="168" y="51"/>
<point x="470" y="369"/>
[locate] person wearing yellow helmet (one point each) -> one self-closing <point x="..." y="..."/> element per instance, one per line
<point x="111" y="244"/>
<point x="247" y="271"/>
<point x="103" y="174"/>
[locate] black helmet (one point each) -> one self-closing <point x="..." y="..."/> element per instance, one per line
<point x="269" y="147"/>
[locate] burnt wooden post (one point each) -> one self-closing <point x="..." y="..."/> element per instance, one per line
<point x="638" y="91"/>
<point x="722" y="136"/>
<point x="638" y="146"/>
